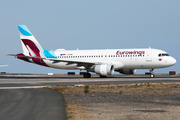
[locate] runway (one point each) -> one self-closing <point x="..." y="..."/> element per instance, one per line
<point x="36" y="81"/>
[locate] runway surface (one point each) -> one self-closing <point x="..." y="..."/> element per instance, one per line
<point x="31" y="104"/>
<point x="36" y="81"/>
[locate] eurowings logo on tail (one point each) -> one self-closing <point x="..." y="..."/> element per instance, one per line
<point x="29" y="41"/>
<point x="31" y="46"/>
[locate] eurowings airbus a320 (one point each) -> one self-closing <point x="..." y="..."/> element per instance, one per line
<point x="101" y="62"/>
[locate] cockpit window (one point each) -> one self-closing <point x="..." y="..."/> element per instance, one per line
<point x="163" y="54"/>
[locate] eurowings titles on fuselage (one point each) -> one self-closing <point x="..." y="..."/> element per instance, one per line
<point x="102" y="62"/>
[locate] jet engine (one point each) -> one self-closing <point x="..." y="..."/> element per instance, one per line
<point x="104" y="69"/>
<point x="127" y="71"/>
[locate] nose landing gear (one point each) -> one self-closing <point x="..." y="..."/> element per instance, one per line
<point x="151" y="73"/>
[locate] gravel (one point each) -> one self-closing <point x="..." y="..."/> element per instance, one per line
<point x="114" y="103"/>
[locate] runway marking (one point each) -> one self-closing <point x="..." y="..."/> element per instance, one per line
<point x="33" y="83"/>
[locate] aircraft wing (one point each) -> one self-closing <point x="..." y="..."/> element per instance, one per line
<point x="72" y="61"/>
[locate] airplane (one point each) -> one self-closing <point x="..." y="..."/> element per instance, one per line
<point x="102" y="62"/>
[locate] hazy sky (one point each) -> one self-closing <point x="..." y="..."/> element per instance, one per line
<point x="89" y="24"/>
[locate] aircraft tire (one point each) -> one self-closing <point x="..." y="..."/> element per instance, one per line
<point x="87" y="75"/>
<point x="152" y="76"/>
<point x="101" y="76"/>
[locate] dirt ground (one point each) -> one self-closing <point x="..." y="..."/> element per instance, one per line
<point x="122" y="102"/>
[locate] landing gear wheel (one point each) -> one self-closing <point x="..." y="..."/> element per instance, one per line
<point x="87" y="75"/>
<point x="152" y="75"/>
<point x="101" y="76"/>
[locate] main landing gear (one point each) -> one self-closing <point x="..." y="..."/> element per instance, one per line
<point x="151" y="73"/>
<point x="101" y="76"/>
<point x="87" y="75"/>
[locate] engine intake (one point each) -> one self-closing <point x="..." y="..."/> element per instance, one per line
<point x="104" y="69"/>
<point x="127" y="71"/>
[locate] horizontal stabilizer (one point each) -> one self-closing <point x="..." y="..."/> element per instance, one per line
<point x="23" y="56"/>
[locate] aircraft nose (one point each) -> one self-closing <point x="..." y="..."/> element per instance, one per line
<point x="173" y="61"/>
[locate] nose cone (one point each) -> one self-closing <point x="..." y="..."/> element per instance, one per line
<point x="173" y="61"/>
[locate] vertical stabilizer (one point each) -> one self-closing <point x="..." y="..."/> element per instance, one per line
<point x="30" y="45"/>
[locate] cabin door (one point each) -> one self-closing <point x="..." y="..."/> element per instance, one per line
<point x="148" y="55"/>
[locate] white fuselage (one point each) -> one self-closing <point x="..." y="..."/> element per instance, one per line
<point x="120" y="58"/>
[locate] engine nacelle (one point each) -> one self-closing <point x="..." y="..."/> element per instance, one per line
<point x="127" y="71"/>
<point x="104" y="69"/>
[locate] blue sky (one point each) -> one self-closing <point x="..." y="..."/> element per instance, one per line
<point x="90" y="24"/>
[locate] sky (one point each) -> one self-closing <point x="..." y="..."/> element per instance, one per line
<point x="89" y="24"/>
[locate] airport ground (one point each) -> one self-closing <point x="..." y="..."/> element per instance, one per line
<point x="157" y="101"/>
<point x="116" y="97"/>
